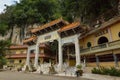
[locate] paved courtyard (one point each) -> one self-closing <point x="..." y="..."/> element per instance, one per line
<point x="8" y="75"/>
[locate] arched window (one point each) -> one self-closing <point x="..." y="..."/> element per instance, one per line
<point x="89" y="44"/>
<point x="119" y="34"/>
<point x="102" y="40"/>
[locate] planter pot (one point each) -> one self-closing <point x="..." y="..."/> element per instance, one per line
<point x="80" y="72"/>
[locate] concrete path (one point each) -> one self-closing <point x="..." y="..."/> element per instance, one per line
<point x="92" y="76"/>
<point x="99" y="77"/>
<point x="8" y="75"/>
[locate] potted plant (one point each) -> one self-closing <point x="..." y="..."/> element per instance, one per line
<point x="79" y="70"/>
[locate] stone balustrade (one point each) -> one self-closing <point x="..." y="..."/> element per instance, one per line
<point x="101" y="47"/>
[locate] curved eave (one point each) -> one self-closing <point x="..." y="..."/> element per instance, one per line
<point x="52" y="23"/>
<point x="70" y="26"/>
<point x="103" y="26"/>
<point x="18" y="47"/>
<point x="31" y="39"/>
<point x="21" y="56"/>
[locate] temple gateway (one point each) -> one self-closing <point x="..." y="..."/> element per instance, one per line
<point x="58" y="30"/>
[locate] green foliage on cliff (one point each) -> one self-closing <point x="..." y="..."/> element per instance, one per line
<point x="29" y="12"/>
<point x="4" y="44"/>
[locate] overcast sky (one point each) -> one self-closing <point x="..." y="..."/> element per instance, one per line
<point x="7" y="2"/>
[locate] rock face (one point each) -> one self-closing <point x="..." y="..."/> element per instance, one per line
<point x="15" y="34"/>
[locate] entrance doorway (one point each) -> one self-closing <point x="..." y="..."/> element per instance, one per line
<point x="53" y="47"/>
<point x="69" y="54"/>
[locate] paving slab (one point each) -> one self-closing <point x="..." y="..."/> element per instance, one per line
<point x="8" y="75"/>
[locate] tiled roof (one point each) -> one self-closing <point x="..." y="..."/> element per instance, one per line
<point x="103" y="26"/>
<point x="48" y="25"/>
<point x="18" y="47"/>
<point x="70" y="26"/>
<point x="32" y="55"/>
<point x="45" y="55"/>
<point x="30" y="39"/>
<point x="25" y="46"/>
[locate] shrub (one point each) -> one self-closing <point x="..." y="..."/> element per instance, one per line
<point x="114" y="71"/>
<point x="96" y="71"/>
<point x="79" y="67"/>
<point x="106" y="71"/>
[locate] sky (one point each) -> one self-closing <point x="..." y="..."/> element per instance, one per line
<point x="7" y="2"/>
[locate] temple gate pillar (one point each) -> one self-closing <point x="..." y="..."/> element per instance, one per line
<point x="115" y="60"/>
<point x="60" y="55"/>
<point x="28" y="58"/>
<point x="77" y="51"/>
<point x="36" y="56"/>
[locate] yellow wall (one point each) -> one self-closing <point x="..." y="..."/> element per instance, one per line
<point x="107" y="64"/>
<point x="93" y="64"/>
<point x="16" y="63"/>
<point x="84" y="41"/>
<point x="104" y="64"/>
<point x="115" y="29"/>
<point x="18" y="51"/>
<point x="112" y="32"/>
<point x="93" y="39"/>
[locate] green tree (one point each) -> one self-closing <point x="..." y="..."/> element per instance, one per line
<point x="29" y="12"/>
<point x="4" y="44"/>
<point x="86" y="10"/>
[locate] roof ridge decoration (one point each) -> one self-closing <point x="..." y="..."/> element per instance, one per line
<point x="49" y="24"/>
<point x="69" y="26"/>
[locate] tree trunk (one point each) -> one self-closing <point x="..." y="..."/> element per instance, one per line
<point x="11" y="34"/>
<point x="22" y="32"/>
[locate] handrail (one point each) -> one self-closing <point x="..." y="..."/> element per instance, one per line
<point x="101" y="46"/>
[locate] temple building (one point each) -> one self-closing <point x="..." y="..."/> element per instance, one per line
<point x="101" y="46"/>
<point x="16" y="55"/>
<point x="63" y="44"/>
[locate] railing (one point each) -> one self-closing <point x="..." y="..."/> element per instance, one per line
<point x="114" y="44"/>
